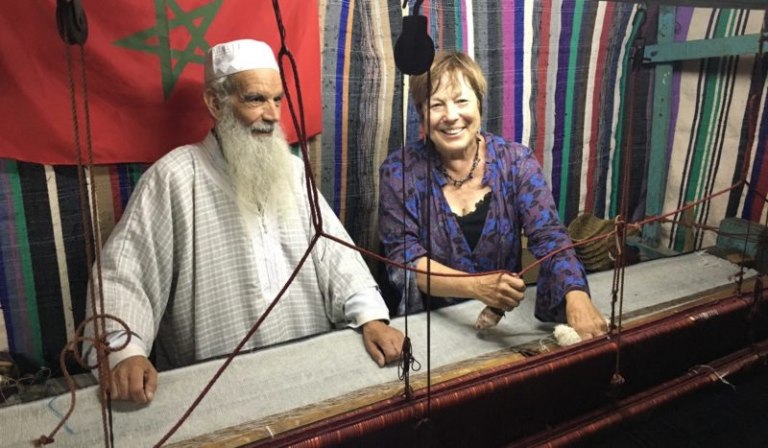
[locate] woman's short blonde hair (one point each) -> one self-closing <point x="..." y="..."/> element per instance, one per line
<point x="455" y="63"/>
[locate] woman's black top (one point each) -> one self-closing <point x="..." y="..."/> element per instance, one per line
<point x="472" y="223"/>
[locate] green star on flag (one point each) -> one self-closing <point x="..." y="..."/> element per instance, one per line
<point x="156" y="39"/>
<point x="144" y="67"/>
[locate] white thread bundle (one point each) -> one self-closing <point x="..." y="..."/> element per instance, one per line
<point x="566" y="335"/>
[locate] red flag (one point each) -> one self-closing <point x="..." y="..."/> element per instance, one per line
<point x="144" y="74"/>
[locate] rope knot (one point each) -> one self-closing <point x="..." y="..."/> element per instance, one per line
<point x="407" y="363"/>
<point x="620" y="225"/>
<point x="43" y="440"/>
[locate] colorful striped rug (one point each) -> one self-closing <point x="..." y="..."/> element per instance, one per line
<point x="558" y="74"/>
<point x="43" y="267"/>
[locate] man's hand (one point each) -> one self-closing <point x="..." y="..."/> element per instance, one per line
<point x="503" y="291"/>
<point x="134" y="379"/>
<point x="383" y="342"/>
<point x="583" y="316"/>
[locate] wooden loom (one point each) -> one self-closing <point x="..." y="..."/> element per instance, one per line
<point x="485" y="391"/>
<point x="496" y="399"/>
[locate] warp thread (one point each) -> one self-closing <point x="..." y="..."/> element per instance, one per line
<point x="26" y="387"/>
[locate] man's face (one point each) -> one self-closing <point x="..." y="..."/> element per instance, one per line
<point x="257" y="99"/>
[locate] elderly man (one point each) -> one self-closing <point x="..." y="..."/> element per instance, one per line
<point x="214" y="230"/>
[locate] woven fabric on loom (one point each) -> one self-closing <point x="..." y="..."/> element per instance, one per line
<point x="262" y="384"/>
<point x="558" y="77"/>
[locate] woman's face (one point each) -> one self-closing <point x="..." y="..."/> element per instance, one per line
<point x="454" y="115"/>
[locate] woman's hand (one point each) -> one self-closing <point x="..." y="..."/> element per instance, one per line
<point x="583" y="316"/>
<point x="501" y="290"/>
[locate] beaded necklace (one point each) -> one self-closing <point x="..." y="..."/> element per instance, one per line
<point x="459" y="182"/>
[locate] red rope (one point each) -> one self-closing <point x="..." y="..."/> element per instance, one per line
<point x="92" y="239"/>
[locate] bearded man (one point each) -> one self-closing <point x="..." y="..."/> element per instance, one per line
<point x="212" y="233"/>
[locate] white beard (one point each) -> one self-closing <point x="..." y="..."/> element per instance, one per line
<point x="260" y="167"/>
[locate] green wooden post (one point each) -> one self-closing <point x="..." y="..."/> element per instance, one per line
<point x="657" y="164"/>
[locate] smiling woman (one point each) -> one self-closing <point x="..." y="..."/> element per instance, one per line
<point x="469" y="198"/>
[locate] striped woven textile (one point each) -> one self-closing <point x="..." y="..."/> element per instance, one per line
<point x="43" y="262"/>
<point x="710" y="130"/>
<point x="559" y="78"/>
<point x="559" y="81"/>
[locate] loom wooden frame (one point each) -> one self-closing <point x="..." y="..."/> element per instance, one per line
<point x="461" y="392"/>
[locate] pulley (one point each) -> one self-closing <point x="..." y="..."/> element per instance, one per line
<point x="71" y="22"/>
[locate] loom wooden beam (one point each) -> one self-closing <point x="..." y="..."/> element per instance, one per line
<point x="704" y="48"/>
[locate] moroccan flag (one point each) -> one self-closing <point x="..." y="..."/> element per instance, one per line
<point x="144" y="73"/>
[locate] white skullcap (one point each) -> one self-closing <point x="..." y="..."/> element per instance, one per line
<point x="237" y="56"/>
